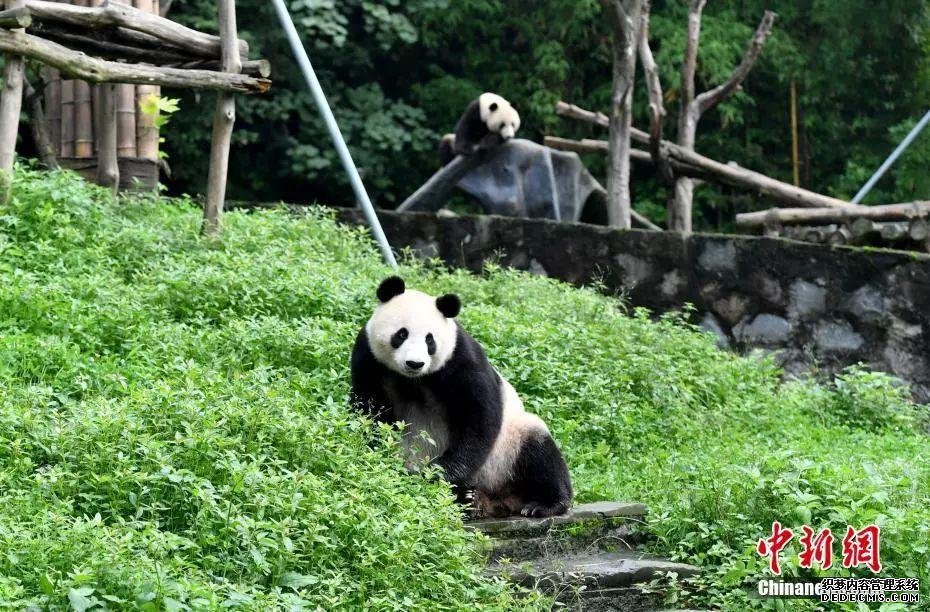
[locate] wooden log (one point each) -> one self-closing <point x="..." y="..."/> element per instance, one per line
<point x="888" y="212"/>
<point x="894" y="231"/>
<point x="863" y="228"/>
<point x="107" y="151"/>
<point x="113" y="14"/>
<point x="53" y="107"/>
<point x="108" y="45"/>
<point x="86" y="68"/>
<point x="587" y="145"/>
<point x="223" y="120"/>
<point x="14" y="18"/>
<point x="38" y="123"/>
<point x="919" y="230"/>
<point x="841" y="236"/>
<point x="728" y="174"/>
<point x="11" y="101"/>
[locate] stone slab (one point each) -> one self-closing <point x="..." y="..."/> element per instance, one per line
<point x="576" y="516"/>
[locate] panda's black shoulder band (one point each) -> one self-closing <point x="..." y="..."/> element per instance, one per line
<point x="390" y="287"/>
<point x="449" y="305"/>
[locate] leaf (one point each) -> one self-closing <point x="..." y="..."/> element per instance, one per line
<point x="79" y="598"/>
<point x="297" y="581"/>
<point x="47" y="585"/>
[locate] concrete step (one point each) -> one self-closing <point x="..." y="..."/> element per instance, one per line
<point x="602" y="581"/>
<point x="599" y="526"/>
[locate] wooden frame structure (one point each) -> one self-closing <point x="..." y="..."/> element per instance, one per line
<point x="117" y="46"/>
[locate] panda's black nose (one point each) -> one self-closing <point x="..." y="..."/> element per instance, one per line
<point x="414" y="365"/>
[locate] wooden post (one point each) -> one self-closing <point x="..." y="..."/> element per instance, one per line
<point x="147" y="132"/>
<point x="11" y="101"/>
<point x="107" y="162"/>
<point x="223" y="121"/>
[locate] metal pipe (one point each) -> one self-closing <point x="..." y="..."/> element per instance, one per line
<point x="303" y="60"/>
<point x="892" y="159"/>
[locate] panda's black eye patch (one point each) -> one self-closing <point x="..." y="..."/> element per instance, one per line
<point x="494" y="107"/>
<point x="399" y="336"/>
<point x="430" y="344"/>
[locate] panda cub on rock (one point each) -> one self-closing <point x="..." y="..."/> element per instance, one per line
<point x="487" y="122"/>
<point x="412" y="362"/>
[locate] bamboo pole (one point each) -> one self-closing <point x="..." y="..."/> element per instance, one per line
<point x="11" y="101"/>
<point x="53" y="107"/>
<point x="125" y="116"/>
<point x="83" y="113"/>
<point x="126" y="120"/>
<point x="67" y="118"/>
<point x="223" y="121"/>
<point x="147" y="132"/>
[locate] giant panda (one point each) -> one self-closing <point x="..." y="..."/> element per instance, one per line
<point x="488" y="121"/>
<point x="412" y="362"/>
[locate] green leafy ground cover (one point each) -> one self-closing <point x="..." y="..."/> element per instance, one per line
<point x="174" y="431"/>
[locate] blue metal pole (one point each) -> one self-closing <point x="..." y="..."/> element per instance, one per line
<point x="892" y="159"/>
<point x="345" y="157"/>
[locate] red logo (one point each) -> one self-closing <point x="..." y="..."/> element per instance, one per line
<point x="860" y="547"/>
<point x="817" y="548"/>
<point x="771" y="546"/>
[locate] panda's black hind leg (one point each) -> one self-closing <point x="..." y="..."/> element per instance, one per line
<point x="541" y="479"/>
<point x="537" y="510"/>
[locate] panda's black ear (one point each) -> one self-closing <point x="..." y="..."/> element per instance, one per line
<point x="390" y="287"/>
<point x="449" y="305"/>
<point x="493" y="107"/>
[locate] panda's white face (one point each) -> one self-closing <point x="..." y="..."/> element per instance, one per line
<point x="498" y="115"/>
<point x="409" y="335"/>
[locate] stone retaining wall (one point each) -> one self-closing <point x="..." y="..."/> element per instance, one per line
<point x="817" y="307"/>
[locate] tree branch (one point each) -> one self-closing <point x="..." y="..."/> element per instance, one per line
<point x="691" y="51"/>
<point x="616" y="13"/>
<point x="715" y="96"/>
<point x="656" y="107"/>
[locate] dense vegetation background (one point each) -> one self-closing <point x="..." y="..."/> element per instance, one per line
<point x="399" y="72"/>
<point x="175" y="431"/>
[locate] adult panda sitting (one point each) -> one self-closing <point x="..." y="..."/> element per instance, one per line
<point x="413" y="363"/>
<point x="488" y="121"/>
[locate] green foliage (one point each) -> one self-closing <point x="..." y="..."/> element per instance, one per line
<point x="174" y="428"/>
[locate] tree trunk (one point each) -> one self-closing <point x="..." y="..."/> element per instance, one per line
<point x="107" y="149"/>
<point x="785" y="216"/>
<point x="625" y="17"/>
<point x="40" y="127"/>
<point x="223" y="120"/>
<point x="11" y="101"/>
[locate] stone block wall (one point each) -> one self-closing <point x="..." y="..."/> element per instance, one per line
<point x="815" y="307"/>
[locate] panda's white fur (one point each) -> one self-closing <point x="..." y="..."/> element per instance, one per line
<point x="498" y="115"/>
<point x="416" y="312"/>
<point x="460" y="413"/>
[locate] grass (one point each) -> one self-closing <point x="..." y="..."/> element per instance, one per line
<point x="174" y="431"/>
